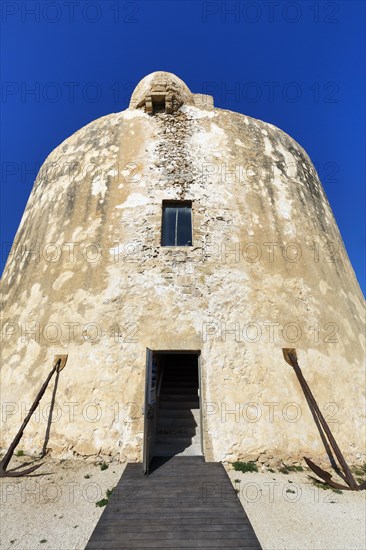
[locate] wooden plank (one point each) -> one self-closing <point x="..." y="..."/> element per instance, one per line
<point x="151" y="527"/>
<point x="180" y="513"/>
<point x="192" y="544"/>
<point x="184" y="503"/>
<point x="112" y="532"/>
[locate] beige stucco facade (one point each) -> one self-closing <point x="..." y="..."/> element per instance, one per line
<point x="88" y="277"/>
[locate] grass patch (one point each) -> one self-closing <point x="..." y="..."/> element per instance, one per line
<point x="285" y="469"/>
<point x="290" y="491"/>
<point x="245" y="466"/>
<point x="19" y="453"/>
<point x="103" y="466"/>
<point x="359" y="470"/>
<point x="87" y="476"/>
<point x="104" y="501"/>
<point x="326" y="487"/>
<point x="323" y="486"/>
<point x="43" y="541"/>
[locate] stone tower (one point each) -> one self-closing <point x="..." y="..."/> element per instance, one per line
<point x="202" y="235"/>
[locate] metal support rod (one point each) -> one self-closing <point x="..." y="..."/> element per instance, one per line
<point x="49" y="423"/>
<point x="291" y="354"/>
<point x="8" y="455"/>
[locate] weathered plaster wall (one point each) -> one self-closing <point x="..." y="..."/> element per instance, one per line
<point x="105" y="289"/>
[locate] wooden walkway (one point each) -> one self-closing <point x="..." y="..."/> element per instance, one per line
<point x="183" y="503"/>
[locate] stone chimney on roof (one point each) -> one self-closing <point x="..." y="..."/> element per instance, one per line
<point x="161" y="91"/>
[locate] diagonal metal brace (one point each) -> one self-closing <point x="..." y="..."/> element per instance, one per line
<point x="60" y="362"/>
<point x="290" y="357"/>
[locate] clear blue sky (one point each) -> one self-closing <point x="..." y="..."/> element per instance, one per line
<point x="299" y="65"/>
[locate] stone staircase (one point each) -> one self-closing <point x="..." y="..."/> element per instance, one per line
<point x="178" y="429"/>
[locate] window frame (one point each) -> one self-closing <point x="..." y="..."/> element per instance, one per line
<point x="175" y="203"/>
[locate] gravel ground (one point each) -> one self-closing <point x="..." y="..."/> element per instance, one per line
<point x="57" y="507"/>
<point x="56" y="510"/>
<point x="287" y="511"/>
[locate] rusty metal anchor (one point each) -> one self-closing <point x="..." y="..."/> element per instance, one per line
<point x="290" y="357"/>
<point x="59" y="363"/>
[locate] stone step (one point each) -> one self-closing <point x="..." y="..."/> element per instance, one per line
<point x="178" y="397"/>
<point x="174" y="381"/>
<point x="162" y="449"/>
<point x="180" y="376"/>
<point x="177" y="440"/>
<point x="174" y="384"/>
<point x="177" y="422"/>
<point x="179" y="389"/>
<point x="175" y="431"/>
<point x="181" y="405"/>
<point x="182" y="414"/>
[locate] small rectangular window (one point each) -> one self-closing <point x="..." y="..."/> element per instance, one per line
<point x="177" y="224"/>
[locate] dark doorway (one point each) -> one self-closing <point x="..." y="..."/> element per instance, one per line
<point x="158" y="102"/>
<point x="172" y="408"/>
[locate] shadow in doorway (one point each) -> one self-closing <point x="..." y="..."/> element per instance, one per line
<point x="178" y="413"/>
